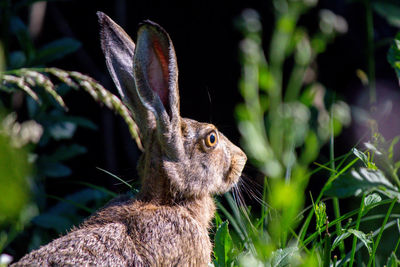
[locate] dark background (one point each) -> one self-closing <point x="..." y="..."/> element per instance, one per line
<point x="206" y="42"/>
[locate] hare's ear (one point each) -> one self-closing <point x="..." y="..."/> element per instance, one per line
<point x="119" y="50"/>
<point x="156" y="76"/>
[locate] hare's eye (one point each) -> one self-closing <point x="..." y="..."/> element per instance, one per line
<point x="211" y="139"/>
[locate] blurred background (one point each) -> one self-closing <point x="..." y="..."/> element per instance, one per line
<point x="206" y="41"/>
<point x="207" y="36"/>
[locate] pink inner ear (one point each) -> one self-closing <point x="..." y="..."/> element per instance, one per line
<point x="158" y="73"/>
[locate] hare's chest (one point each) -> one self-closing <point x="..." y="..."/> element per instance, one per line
<point x="172" y="239"/>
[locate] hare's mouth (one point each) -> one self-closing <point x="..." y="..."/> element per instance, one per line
<point x="236" y="168"/>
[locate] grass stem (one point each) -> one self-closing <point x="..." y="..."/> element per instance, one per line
<point x="378" y="239"/>
<point x="336" y="207"/>
<point x="303" y="230"/>
<point x="370" y="51"/>
<point x="353" y="248"/>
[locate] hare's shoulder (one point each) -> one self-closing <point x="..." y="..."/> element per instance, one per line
<point x="158" y="231"/>
<point x="144" y="219"/>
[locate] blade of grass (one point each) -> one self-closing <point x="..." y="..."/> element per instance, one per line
<point x="370" y="51"/>
<point x="327" y="249"/>
<point x="325" y="167"/>
<point x="116" y="177"/>
<point x="303" y="230"/>
<point x="342" y="218"/>
<point x="353" y="248"/>
<point x="360" y="244"/>
<point x="398" y="240"/>
<point x="378" y="239"/>
<point x="335" y="200"/>
<point x="233" y="221"/>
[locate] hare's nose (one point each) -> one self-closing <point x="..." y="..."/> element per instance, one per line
<point x="237" y="152"/>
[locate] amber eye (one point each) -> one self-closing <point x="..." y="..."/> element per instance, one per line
<point x="211" y="139"/>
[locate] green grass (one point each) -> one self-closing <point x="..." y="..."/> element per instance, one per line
<point x="284" y="125"/>
<point x="285" y="147"/>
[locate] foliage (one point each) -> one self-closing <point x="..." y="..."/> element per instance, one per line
<point x="286" y="117"/>
<point x="36" y="150"/>
<point x="284" y="125"/>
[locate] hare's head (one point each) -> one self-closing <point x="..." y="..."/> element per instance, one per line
<point x="181" y="157"/>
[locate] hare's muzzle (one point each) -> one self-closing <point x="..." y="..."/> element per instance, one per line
<point x="238" y="161"/>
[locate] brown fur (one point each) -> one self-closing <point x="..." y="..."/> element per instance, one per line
<point x="168" y="223"/>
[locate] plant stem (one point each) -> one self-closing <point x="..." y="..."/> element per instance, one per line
<point x="314" y="235"/>
<point x="5" y="15"/>
<point x="303" y="230"/>
<point x="353" y="248"/>
<point x="264" y="209"/>
<point x="396" y="179"/>
<point x="378" y="239"/>
<point x="327" y="250"/>
<point x="336" y="207"/>
<point x="370" y="51"/>
<point x="397" y="246"/>
<point x="361" y="244"/>
<point x="295" y="83"/>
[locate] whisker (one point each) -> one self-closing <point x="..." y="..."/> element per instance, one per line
<point x="253" y="190"/>
<point x="240" y="198"/>
<point x="126" y="181"/>
<point x="241" y="203"/>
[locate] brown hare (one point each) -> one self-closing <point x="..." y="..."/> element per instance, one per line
<point x="184" y="163"/>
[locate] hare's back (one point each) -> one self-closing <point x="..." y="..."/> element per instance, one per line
<point x="129" y="233"/>
<point x="108" y="245"/>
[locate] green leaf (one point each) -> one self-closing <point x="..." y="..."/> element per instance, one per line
<point x="366" y="239"/>
<point x="357" y="182"/>
<point x="390" y="10"/>
<point x="398" y="225"/>
<point x="339" y="239"/>
<point x="15" y="173"/>
<point x="359" y="154"/>
<point x="223" y="245"/>
<point x="218" y="220"/>
<point x="395" y="140"/>
<point x="285" y="257"/>
<point x="311" y="148"/>
<point x="372" y="199"/>
<point x="393" y="56"/>
<point x="392" y="261"/>
<point x="372" y="148"/>
<point x="56" y="50"/>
